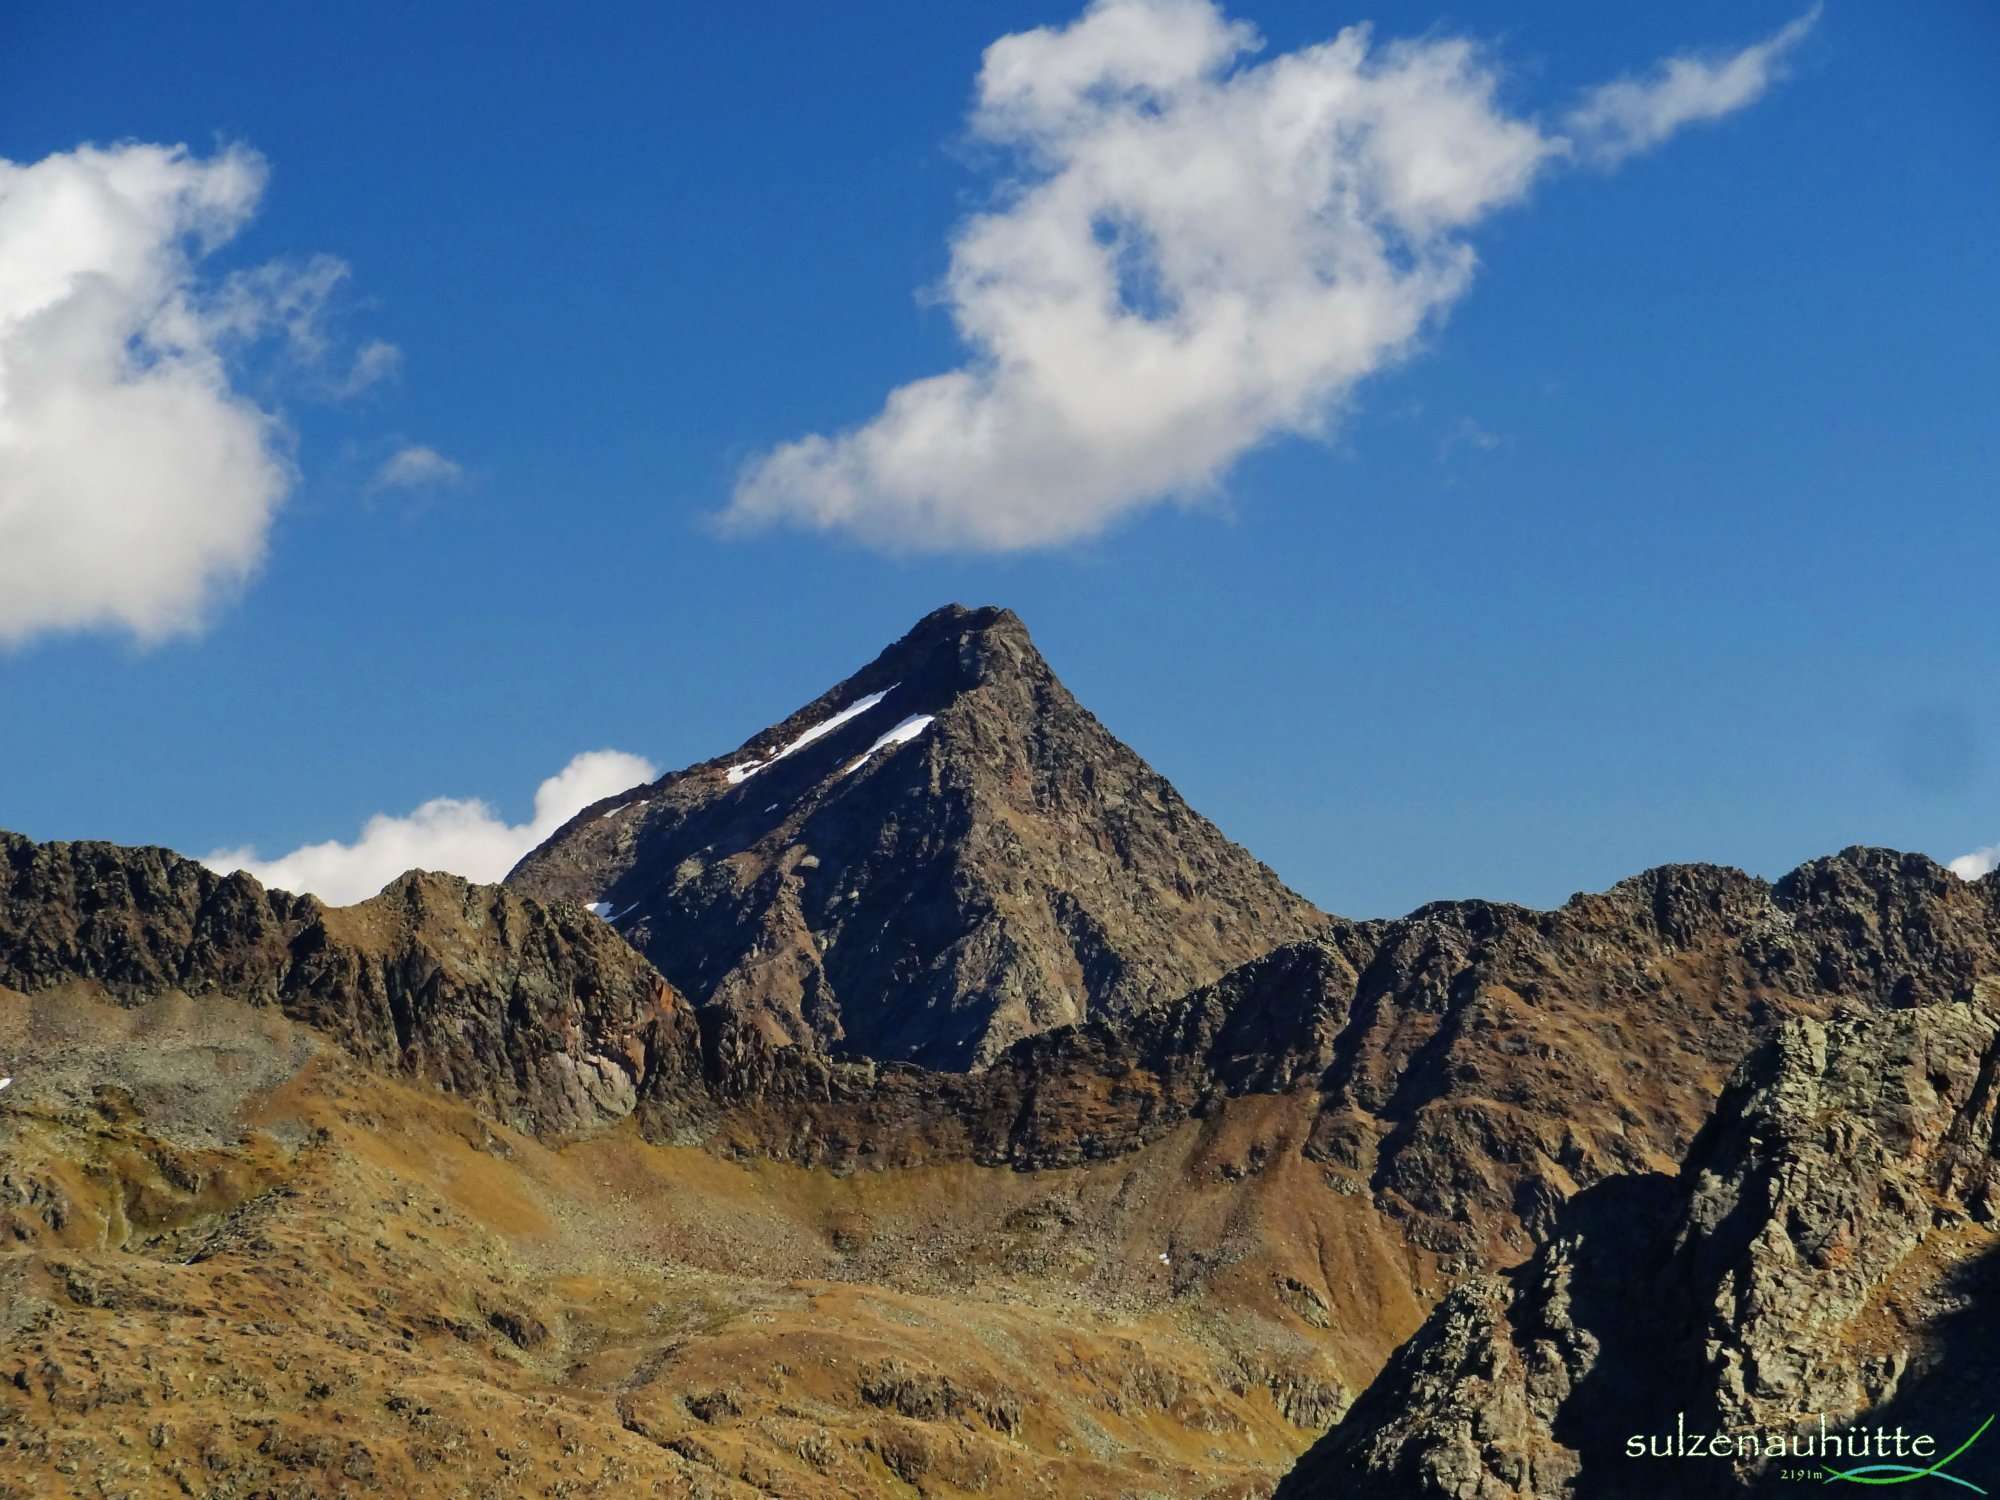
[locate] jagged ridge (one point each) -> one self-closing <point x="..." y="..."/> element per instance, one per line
<point x="1474" y="1065"/>
<point x="538" y="1014"/>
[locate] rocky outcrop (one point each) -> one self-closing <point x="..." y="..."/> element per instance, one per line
<point x="539" y="1014"/>
<point x="1827" y="1249"/>
<point x="1459" y="1411"/>
<point x="1004" y="868"/>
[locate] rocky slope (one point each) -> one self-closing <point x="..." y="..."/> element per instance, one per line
<point x="1496" y="1059"/>
<point x="1214" y="1218"/>
<point x="1221" y="1210"/>
<point x="235" y="1262"/>
<point x="1830" y="1246"/>
<point x="1467" y="1069"/>
<point x="538" y="1014"/>
<point x="938" y="856"/>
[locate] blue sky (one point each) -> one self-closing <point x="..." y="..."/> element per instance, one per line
<point x="1672" y="538"/>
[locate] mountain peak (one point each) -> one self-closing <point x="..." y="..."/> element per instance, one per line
<point x="969" y="618"/>
<point x="940" y="854"/>
<point x="947" y="653"/>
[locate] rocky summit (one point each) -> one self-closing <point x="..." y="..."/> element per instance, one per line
<point x="938" y="856"/>
<point x="922" y="1101"/>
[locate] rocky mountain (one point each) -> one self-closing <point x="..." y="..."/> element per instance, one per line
<point x="1496" y="1059"/>
<point x="975" y="1120"/>
<point x="938" y="856"/>
<point x="449" y="1193"/>
<point x="1828" y="1249"/>
<point x="1466" y="1069"/>
<point x="1180" y="1240"/>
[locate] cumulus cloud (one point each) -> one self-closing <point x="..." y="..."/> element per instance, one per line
<point x="1631" y="115"/>
<point x="1979" y="862"/>
<point x="416" y="468"/>
<point x="463" y="836"/>
<point x="137" y="487"/>
<point x="1200" y="252"/>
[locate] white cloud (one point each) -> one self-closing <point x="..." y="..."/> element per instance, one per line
<point x="461" y="835"/>
<point x="137" y="487"/>
<point x="1201" y="253"/>
<point x="416" y="468"/>
<point x="1979" y="862"/>
<point x="1635" y="114"/>
<point x="376" y="361"/>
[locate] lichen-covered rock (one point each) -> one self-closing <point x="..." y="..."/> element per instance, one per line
<point x="1828" y="1248"/>
<point x="1846" y="1158"/>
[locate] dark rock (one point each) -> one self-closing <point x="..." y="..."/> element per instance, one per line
<point x="1011" y="869"/>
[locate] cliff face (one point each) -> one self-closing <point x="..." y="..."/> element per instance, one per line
<point x="540" y="1015"/>
<point x="1828" y="1247"/>
<point x="935" y="858"/>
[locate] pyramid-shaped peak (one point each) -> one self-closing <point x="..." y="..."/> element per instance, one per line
<point x="923" y="674"/>
<point x="988" y="626"/>
<point x="940" y="854"/>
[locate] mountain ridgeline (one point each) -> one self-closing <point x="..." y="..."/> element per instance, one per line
<point x="940" y="929"/>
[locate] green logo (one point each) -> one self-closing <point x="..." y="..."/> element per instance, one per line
<point x="1904" y="1473"/>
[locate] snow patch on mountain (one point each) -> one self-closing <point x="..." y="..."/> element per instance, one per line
<point x="742" y="773"/>
<point x="902" y="734"/>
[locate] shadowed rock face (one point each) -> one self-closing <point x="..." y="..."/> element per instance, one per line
<point x="1008" y="868"/>
<point x="1828" y="1246"/>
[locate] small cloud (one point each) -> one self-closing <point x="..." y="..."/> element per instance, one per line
<point x="416" y="468"/>
<point x="460" y="835"/>
<point x="1630" y="115"/>
<point x="377" y="361"/>
<point x="1979" y="862"/>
